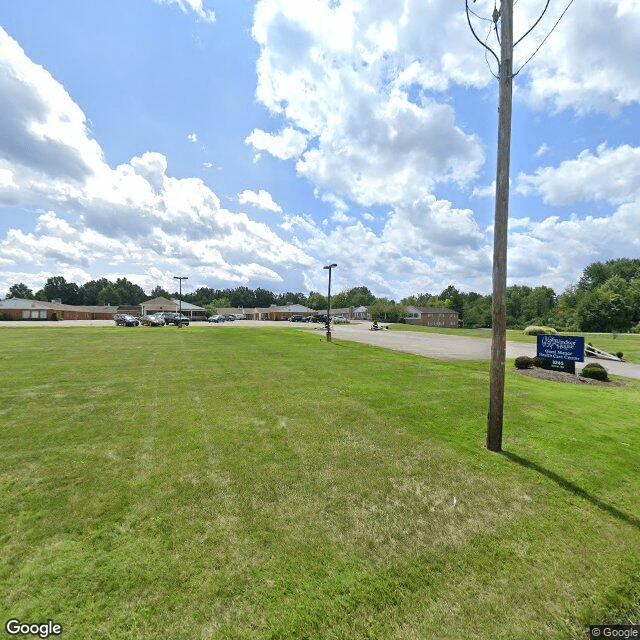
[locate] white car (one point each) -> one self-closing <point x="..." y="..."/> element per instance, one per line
<point x="216" y="318"/>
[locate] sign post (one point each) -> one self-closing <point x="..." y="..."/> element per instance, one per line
<point x="561" y="353"/>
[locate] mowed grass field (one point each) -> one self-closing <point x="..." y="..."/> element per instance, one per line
<point x="236" y="483"/>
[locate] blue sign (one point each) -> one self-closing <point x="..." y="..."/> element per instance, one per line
<point x="568" y="348"/>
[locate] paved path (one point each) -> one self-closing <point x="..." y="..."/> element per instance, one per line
<point x="451" y="347"/>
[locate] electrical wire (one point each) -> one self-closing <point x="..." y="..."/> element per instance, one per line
<point x="535" y="24"/>
<point x="476" y="36"/>
<point x="545" y="39"/>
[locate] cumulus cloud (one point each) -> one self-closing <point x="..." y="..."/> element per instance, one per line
<point x="421" y="247"/>
<point x="262" y="200"/>
<point x="98" y="216"/>
<point x="193" y="137"/>
<point x="43" y="134"/>
<point x="346" y="73"/>
<point x="588" y="62"/>
<point x="611" y="175"/>
<point x="288" y="143"/>
<point x="555" y="250"/>
<point x="208" y="15"/>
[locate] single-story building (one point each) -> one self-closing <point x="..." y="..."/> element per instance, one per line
<point x="432" y="317"/>
<point x="159" y="305"/>
<point x="276" y="312"/>
<point x="361" y="313"/>
<point x="22" y="309"/>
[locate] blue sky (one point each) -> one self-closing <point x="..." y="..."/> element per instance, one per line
<point x="248" y="143"/>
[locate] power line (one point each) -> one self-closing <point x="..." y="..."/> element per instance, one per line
<point x="545" y="39"/>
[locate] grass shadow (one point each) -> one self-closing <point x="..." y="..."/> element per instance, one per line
<point x="573" y="488"/>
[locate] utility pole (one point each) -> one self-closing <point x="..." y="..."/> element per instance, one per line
<point x="499" y="301"/>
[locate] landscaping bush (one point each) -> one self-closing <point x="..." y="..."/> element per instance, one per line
<point x="595" y="371"/>
<point x="524" y="362"/>
<point x="541" y="363"/>
<point x="619" y="354"/>
<point x="539" y="331"/>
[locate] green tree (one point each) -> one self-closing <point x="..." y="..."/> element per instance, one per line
<point x="159" y="292"/>
<point x="456" y="298"/>
<point x="20" y="291"/>
<point x="477" y="311"/>
<point x="57" y="288"/>
<point x="89" y="291"/>
<point x="316" y="301"/>
<point x="603" y="311"/>
<point x="537" y="306"/>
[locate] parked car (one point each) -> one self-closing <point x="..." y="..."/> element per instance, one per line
<point x="153" y="320"/>
<point x="229" y="317"/>
<point x="296" y="319"/>
<point x="340" y="319"/>
<point x="216" y="318"/>
<point x="126" y="320"/>
<point x="175" y="319"/>
<point x="320" y="317"/>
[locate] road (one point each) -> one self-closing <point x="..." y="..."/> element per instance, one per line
<point x="452" y="347"/>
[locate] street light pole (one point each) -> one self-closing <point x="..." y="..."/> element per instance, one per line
<point x="329" y="266"/>
<point x="180" y="278"/>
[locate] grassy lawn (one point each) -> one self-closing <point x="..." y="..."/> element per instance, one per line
<point x="245" y="483"/>
<point x="628" y="343"/>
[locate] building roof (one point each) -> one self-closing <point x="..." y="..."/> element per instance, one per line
<point x="160" y="304"/>
<point x="23" y="304"/>
<point x="186" y="306"/>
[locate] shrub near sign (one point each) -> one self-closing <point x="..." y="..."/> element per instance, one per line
<point x="561" y="352"/>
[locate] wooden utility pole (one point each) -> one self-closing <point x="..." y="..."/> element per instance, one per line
<point x="499" y="305"/>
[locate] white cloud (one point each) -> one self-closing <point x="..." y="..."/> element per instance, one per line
<point x="208" y="15"/>
<point x="611" y="175"/>
<point x="589" y="62"/>
<point x="193" y="137"/>
<point x="555" y="251"/>
<point x="99" y="216"/>
<point x="262" y="200"/>
<point x="289" y="143"/>
<point x="542" y="150"/>
<point x="344" y="73"/>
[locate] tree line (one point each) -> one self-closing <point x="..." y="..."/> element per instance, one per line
<point x="606" y="298"/>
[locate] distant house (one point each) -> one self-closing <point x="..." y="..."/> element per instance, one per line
<point x="432" y="317"/>
<point x="159" y="305"/>
<point x="21" y="309"/>
<point x="361" y="313"/>
<point x="274" y="312"/>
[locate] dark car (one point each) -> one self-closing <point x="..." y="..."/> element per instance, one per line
<point x="175" y="319"/>
<point x="297" y="319"/>
<point x="321" y="317"/>
<point x="126" y="320"/>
